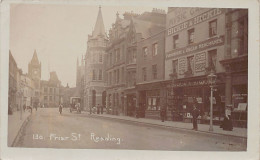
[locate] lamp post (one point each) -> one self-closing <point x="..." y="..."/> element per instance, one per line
<point x="211" y="80"/>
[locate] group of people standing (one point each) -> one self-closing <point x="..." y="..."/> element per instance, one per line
<point x="99" y="109"/>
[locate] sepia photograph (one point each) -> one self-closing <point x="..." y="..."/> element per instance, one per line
<point x="124" y="77"/>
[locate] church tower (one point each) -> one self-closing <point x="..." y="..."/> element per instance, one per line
<point x="94" y="64"/>
<point x="34" y="72"/>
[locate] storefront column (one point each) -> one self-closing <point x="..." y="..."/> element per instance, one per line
<point x="228" y="88"/>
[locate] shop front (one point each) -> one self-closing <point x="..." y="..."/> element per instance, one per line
<point x="130" y="95"/>
<point x="182" y="94"/>
<point x="151" y="98"/>
<point x="237" y="88"/>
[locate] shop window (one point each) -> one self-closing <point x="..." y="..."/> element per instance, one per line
<point x="175" y="41"/>
<point x="191" y="36"/>
<point x="154" y="49"/>
<point x="190" y="61"/>
<point x="145" y="52"/>
<point x="212" y="28"/>
<point x="212" y="59"/>
<point x="154" y="70"/>
<point x="144" y="74"/>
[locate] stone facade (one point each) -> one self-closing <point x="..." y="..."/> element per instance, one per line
<point x="94" y="90"/>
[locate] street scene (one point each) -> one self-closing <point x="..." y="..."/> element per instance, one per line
<point x="60" y="131"/>
<point x="141" y="78"/>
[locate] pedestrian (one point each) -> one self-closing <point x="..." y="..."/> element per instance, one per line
<point x="195" y="114"/>
<point x="98" y="109"/>
<point x="101" y="109"/>
<point x="60" y="108"/>
<point x="227" y="122"/>
<point x="163" y="113"/>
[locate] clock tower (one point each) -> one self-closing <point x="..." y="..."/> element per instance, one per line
<point x="34" y="72"/>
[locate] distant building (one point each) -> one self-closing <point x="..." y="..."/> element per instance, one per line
<point x="13" y="70"/>
<point x="94" y="90"/>
<point x="80" y="80"/>
<point x="51" y="95"/>
<point x="34" y="73"/>
<point x="27" y="86"/>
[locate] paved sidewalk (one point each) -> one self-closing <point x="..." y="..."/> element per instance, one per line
<point x="238" y="132"/>
<point x="15" y="122"/>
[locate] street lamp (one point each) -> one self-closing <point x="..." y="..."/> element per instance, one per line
<point x="211" y="80"/>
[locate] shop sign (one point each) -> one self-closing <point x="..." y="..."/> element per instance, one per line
<point x="216" y="41"/>
<point x="191" y="83"/>
<point x="200" y="62"/>
<point x="182" y="65"/>
<point x="196" y="20"/>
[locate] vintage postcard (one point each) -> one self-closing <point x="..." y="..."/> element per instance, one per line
<point x="96" y="80"/>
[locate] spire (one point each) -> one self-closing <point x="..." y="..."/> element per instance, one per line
<point x="77" y="61"/>
<point x="99" y="27"/>
<point x="35" y="58"/>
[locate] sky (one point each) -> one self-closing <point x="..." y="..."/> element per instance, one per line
<point x="58" y="33"/>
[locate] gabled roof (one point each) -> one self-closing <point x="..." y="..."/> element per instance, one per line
<point x="99" y="26"/>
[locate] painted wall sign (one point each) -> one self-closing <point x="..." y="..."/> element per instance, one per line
<point x="200" y="62"/>
<point x="216" y="41"/>
<point x="196" y="20"/>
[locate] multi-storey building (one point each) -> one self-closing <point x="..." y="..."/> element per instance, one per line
<point x="27" y="87"/>
<point x="51" y="95"/>
<point x="121" y="57"/>
<point x="197" y="40"/>
<point x="150" y="72"/>
<point x="34" y="72"/>
<point x="94" y="91"/>
<point x="235" y="62"/>
<point x="115" y="65"/>
<point x="12" y="82"/>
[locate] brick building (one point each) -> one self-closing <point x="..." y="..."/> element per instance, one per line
<point x="199" y="40"/>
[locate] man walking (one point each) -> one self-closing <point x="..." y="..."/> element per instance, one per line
<point x="195" y="114"/>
